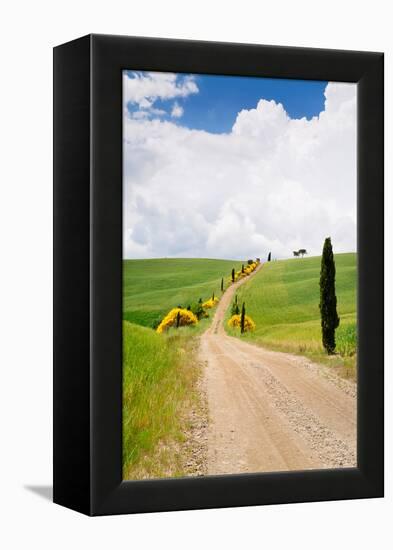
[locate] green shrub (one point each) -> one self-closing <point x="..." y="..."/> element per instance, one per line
<point x="198" y="310"/>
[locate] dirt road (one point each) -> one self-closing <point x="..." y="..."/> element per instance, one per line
<point x="272" y="411"/>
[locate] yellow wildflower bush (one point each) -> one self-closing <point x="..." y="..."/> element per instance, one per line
<point x="210" y="303"/>
<point x="250" y="268"/>
<point x="234" y="322"/>
<point x="186" y="317"/>
<point x="240" y="275"/>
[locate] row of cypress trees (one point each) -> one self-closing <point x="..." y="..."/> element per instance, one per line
<point x="327" y="303"/>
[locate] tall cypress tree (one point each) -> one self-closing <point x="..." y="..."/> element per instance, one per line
<point x="269" y="257"/>
<point x="242" y="318"/>
<point x="233" y="275"/>
<point x="328" y="300"/>
<point x="222" y="284"/>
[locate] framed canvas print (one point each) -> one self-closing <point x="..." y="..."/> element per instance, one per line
<point x="218" y="275"/>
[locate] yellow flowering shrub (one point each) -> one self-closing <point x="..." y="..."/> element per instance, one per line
<point x="170" y="320"/>
<point x="210" y="303"/>
<point x="234" y="322"/>
<point x="250" y="268"/>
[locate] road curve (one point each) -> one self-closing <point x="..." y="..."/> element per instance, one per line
<point x="272" y="411"/>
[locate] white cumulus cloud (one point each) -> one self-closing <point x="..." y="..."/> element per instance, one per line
<point x="177" y="110"/>
<point x="272" y="184"/>
<point x="142" y="89"/>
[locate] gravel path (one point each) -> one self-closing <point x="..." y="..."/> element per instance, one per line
<point x="272" y="411"/>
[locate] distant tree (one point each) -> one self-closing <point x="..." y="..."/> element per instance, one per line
<point x="189" y="307"/>
<point x="269" y="258"/>
<point x="328" y="300"/>
<point x="235" y="307"/>
<point x="249" y="262"/>
<point x="222" y="284"/>
<point x="242" y="268"/>
<point x="213" y="296"/>
<point x="233" y="275"/>
<point x="296" y="253"/>
<point x="178" y="319"/>
<point x="242" y="318"/>
<point x="302" y="252"/>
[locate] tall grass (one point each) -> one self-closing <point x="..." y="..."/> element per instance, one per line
<point x="346" y="339"/>
<point x="159" y="377"/>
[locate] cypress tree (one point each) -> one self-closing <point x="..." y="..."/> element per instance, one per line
<point x="213" y="296"/>
<point x="178" y="319"/>
<point x="222" y="284"/>
<point x="242" y="318"/>
<point x="233" y="275"/>
<point x="328" y="300"/>
<point x="242" y="268"/>
<point x="235" y="307"/>
<point x="269" y="257"/>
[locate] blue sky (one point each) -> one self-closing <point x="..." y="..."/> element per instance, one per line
<point x="220" y="98"/>
<point x="274" y="168"/>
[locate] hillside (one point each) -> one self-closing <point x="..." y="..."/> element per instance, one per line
<point x="283" y="300"/>
<point x="152" y="287"/>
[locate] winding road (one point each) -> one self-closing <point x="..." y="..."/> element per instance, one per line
<point x="272" y="411"/>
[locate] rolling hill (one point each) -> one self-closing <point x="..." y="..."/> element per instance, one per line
<point x="152" y="287"/>
<point x="283" y="300"/>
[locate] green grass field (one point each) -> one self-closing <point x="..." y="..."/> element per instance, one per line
<point x="160" y="372"/>
<point x="283" y="301"/>
<point x="152" y="287"/>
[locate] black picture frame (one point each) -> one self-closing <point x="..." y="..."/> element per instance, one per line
<point x="88" y="274"/>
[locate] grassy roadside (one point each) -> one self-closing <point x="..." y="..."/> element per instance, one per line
<point x="160" y="388"/>
<point x="283" y="300"/>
